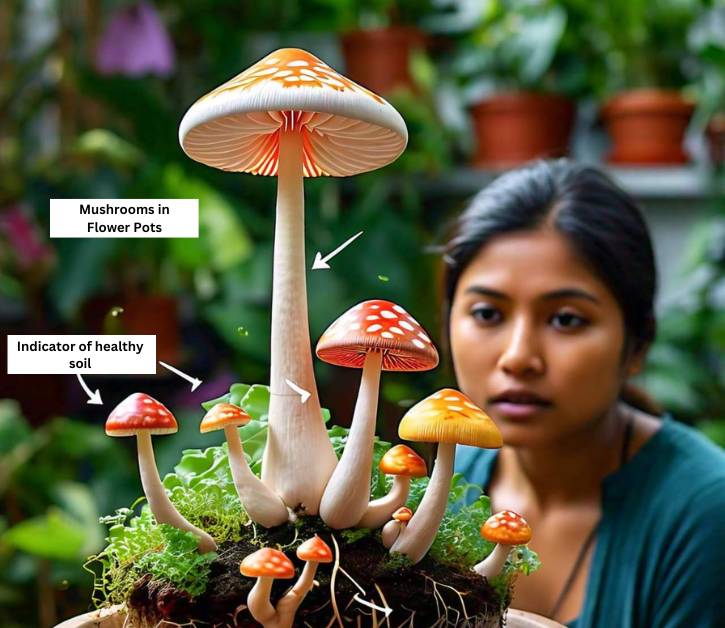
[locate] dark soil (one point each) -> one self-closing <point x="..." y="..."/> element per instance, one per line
<point x="425" y="595"/>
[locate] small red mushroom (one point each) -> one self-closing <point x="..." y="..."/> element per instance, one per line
<point x="141" y="416"/>
<point x="265" y="565"/>
<point x="506" y="529"/>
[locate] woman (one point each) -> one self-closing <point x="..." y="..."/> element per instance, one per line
<point x="549" y="299"/>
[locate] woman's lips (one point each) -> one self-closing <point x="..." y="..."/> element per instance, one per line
<point x="518" y="410"/>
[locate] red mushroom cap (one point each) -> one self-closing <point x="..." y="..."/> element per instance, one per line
<point x="402" y="460"/>
<point x="378" y="325"/>
<point x="139" y="412"/>
<point x="315" y="550"/>
<point x="507" y="528"/>
<point x="267" y="563"/>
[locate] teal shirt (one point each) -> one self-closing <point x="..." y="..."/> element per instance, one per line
<point x="659" y="559"/>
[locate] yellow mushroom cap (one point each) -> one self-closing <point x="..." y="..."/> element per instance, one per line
<point x="448" y="416"/>
<point x="267" y="563"/>
<point x="315" y="550"/>
<point x="223" y="415"/>
<point x="402" y="460"/>
<point x="507" y="528"/>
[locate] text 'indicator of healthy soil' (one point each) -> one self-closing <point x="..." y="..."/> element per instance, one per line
<point x="81" y="354"/>
<point x="124" y="218"/>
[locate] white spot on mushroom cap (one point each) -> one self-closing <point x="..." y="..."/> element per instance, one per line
<point x="399" y="309"/>
<point x="283" y="73"/>
<point x="397" y="330"/>
<point x="418" y="343"/>
<point x="373" y="328"/>
<point x="372" y="317"/>
<point x="388" y="314"/>
<point x="406" y="325"/>
<point x="297" y="63"/>
<point x="386" y="334"/>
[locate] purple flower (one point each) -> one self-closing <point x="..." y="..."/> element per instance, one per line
<point x="135" y="43"/>
<point x="23" y="236"/>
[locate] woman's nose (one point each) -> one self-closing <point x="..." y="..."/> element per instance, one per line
<point x="521" y="356"/>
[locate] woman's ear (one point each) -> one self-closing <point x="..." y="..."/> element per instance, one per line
<point x="636" y="360"/>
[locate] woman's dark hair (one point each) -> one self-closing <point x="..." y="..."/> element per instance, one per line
<point x="601" y="222"/>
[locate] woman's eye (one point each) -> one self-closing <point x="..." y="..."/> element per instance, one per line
<point x="486" y="314"/>
<point x="568" y="320"/>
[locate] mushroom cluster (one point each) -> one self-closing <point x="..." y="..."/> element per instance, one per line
<point x="268" y="564"/>
<point x="292" y="116"/>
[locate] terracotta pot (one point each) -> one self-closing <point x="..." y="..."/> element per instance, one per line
<point x="647" y="126"/>
<point x="114" y="618"/>
<point x="516" y="127"/>
<point x="379" y="59"/>
<point x="142" y="314"/>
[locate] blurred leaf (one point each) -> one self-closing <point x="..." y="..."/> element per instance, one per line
<point x="55" y="536"/>
<point x="77" y="500"/>
<point x="105" y="145"/>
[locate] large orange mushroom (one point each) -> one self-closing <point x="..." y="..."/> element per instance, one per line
<point x="292" y="116"/>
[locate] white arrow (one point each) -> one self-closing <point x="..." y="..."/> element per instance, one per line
<point x="195" y="383"/>
<point x="386" y="609"/>
<point x="94" y="397"/>
<point x="320" y="262"/>
<point x="304" y="394"/>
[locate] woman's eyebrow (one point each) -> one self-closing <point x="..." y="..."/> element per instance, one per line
<point x="487" y="292"/>
<point x="569" y="293"/>
<point x="563" y="293"/>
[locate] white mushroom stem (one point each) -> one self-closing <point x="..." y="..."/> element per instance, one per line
<point x="417" y="538"/>
<point x="159" y="502"/>
<point x="299" y="458"/>
<point x="348" y="491"/>
<point x="380" y="510"/>
<point x="290" y="602"/>
<point x="283" y="616"/>
<point x="391" y="531"/>
<point x="491" y="566"/>
<point x="262" y="504"/>
<point x="258" y="602"/>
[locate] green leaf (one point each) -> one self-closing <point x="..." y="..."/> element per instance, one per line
<point x="54" y="535"/>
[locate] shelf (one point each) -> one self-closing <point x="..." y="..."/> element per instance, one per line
<point x="661" y="183"/>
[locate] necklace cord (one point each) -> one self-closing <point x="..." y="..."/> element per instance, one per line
<point x="583" y="550"/>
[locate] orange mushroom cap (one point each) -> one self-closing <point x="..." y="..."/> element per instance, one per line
<point x="402" y="460"/>
<point x="267" y="563"/>
<point x="448" y="416"/>
<point x="315" y="550"/>
<point x="507" y="528"/>
<point x="403" y="514"/>
<point x="345" y="128"/>
<point x="378" y="325"/>
<point x="139" y="412"/>
<point x="223" y="415"/>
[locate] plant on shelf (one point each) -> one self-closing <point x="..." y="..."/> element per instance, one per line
<point x="378" y="38"/>
<point x="515" y="65"/>
<point x="639" y="50"/>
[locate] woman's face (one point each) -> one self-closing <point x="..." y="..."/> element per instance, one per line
<point x="536" y="338"/>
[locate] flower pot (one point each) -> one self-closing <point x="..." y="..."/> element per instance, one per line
<point x="142" y="314"/>
<point x="647" y="127"/>
<point x="516" y="127"/>
<point x="115" y="618"/>
<point x="379" y="59"/>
